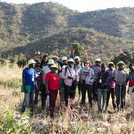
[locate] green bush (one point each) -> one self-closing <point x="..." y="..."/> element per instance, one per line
<point x="2" y="61"/>
<point x="21" y="62"/>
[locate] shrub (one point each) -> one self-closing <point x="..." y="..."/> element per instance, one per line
<point x="2" y="61"/>
<point x="21" y="62"/>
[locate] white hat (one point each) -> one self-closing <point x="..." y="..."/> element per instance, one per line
<point x="50" y="62"/>
<point x="98" y="59"/>
<point x="64" y="58"/>
<point x="31" y="62"/>
<point x="76" y="57"/>
<point x="53" y="66"/>
<point x="56" y="57"/>
<point x="71" y="60"/>
<point x="111" y="63"/>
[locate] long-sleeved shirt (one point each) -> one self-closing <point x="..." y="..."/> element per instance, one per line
<point x="66" y="73"/>
<point x="128" y="58"/>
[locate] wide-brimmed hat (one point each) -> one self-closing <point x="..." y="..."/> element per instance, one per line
<point x="121" y="62"/>
<point x="50" y="62"/>
<point x="110" y="63"/>
<point x="76" y="57"/>
<point x="56" y="57"/>
<point x="98" y="59"/>
<point x="71" y="60"/>
<point x="53" y="66"/>
<point x="31" y="62"/>
<point x="64" y="58"/>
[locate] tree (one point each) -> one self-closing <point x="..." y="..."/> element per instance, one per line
<point x="78" y="49"/>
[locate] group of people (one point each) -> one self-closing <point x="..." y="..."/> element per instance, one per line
<point x="52" y="75"/>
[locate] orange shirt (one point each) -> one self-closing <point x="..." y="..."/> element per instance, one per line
<point x="53" y="81"/>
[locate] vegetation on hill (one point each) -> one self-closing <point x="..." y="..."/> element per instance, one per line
<point x="95" y="44"/>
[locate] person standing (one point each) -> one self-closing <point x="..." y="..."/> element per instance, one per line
<point x="28" y="79"/>
<point x="45" y="70"/>
<point x="111" y="85"/>
<point x="71" y="78"/>
<point x="52" y="82"/>
<point x="97" y="69"/>
<point x="101" y="80"/>
<point x="86" y="77"/>
<point x="131" y="85"/>
<point x="120" y="77"/>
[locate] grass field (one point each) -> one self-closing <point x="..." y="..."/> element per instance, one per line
<point x="67" y="121"/>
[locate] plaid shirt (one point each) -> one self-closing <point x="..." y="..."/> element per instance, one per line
<point x="73" y="73"/>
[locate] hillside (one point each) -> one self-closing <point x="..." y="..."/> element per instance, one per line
<point x="24" y="24"/>
<point x="94" y="43"/>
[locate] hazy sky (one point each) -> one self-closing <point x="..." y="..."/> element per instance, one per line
<point x="82" y="5"/>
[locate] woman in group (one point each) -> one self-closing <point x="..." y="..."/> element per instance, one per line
<point x="52" y="82"/>
<point x="86" y="77"/>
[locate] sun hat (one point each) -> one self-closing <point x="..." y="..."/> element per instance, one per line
<point x="64" y="58"/>
<point x="121" y="62"/>
<point x="110" y="63"/>
<point x="53" y="66"/>
<point x="56" y="57"/>
<point x="71" y="60"/>
<point x="76" y="57"/>
<point x="50" y="61"/>
<point x="98" y="59"/>
<point x="31" y="62"/>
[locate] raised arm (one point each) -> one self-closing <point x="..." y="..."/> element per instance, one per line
<point x="36" y="53"/>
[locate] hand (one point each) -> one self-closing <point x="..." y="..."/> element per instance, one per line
<point x="120" y="51"/>
<point x="70" y="77"/>
<point x="133" y="90"/>
<point x="25" y="91"/>
<point x="124" y="83"/>
<point x="56" y="52"/>
<point x="128" y="91"/>
<point x="76" y="83"/>
<point x="73" y="51"/>
<point x="37" y="53"/>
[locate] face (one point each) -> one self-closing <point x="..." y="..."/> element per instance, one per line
<point x="55" y="59"/>
<point x="77" y="61"/>
<point x="37" y="64"/>
<point x="111" y="66"/>
<point x="70" y="64"/>
<point x="65" y="61"/>
<point x="53" y="70"/>
<point x="31" y="65"/>
<point x="121" y="66"/>
<point x="45" y="59"/>
<point x="86" y="64"/>
<point x="98" y="63"/>
<point x="103" y="68"/>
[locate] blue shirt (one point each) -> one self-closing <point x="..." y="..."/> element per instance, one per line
<point x="29" y="75"/>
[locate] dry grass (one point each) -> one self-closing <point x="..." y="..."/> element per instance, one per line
<point x="69" y="121"/>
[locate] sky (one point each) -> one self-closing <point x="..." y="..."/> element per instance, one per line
<point x="82" y="5"/>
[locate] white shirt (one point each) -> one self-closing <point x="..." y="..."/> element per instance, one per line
<point x="45" y="71"/>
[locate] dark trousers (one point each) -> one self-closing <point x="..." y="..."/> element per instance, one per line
<point x="69" y="92"/>
<point x="52" y="97"/>
<point x="89" y="88"/>
<point x="95" y="91"/>
<point x="43" y="96"/>
<point x="120" y="92"/>
<point x="37" y="89"/>
<point x="112" y="92"/>
<point x="79" y="87"/>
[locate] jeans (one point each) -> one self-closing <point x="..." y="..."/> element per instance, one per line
<point x="69" y="92"/>
<point x="120" y="92"/>
<point x="89" y="88"/>
<point x="102" y="93"/>
<point x="30" y="97"/>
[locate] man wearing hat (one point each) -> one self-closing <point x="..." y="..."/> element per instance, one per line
<point x="28" y="80"/>
<point x="55" y="58"/>
<point x="97" y="69"/>
<point x="131" y="60"/>
<point x="120" y="77"/>
<point x="111" y="85"/>
<point x="71" y="78"/>
<point x="45" y="70"/>
<point x="63" y="62"/>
